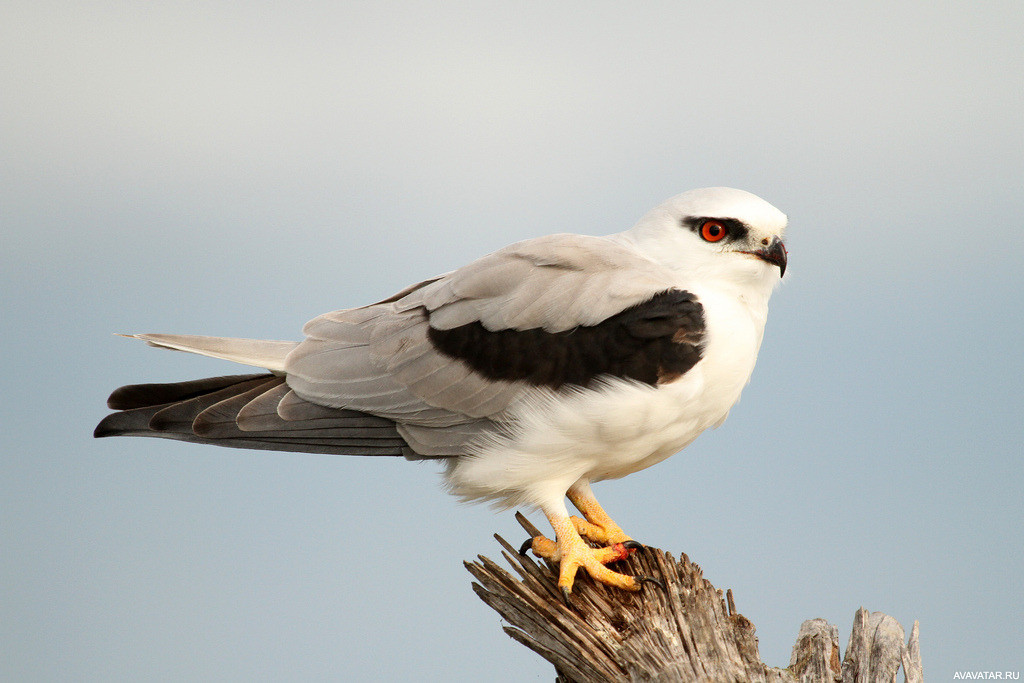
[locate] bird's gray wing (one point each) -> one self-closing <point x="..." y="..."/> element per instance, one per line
<point x="386" y="359"/>
<point x="247" y="411"/>
<point x="555" y="283"/>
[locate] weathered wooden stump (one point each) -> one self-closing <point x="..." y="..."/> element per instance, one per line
<point x="688" y="632"/>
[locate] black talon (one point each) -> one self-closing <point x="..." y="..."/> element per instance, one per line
<point x="526" y="546"/>
<point x="633" y="545"/>
<point x="565" y="597"/>
<point x="651" y="579"/>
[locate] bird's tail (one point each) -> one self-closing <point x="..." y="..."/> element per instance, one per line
<point x="246" y="411"/>
<point x="260" y="353"/>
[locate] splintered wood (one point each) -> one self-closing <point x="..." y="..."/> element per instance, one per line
<point x="687" y="632"/>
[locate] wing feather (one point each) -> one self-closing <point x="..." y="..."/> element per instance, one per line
<point x="181" y="415"/>
<point x="380" y="359"/>
<point x="243" y="414"/>
<point x="554" y="283"/>
<point x="375" y="381"/>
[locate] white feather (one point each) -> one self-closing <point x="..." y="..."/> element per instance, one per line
<point x="260" y="353"/>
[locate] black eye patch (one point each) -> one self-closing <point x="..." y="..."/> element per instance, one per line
<point x="737" y="229"/>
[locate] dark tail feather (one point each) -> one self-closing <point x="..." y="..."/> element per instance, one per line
<point x="240" y="411"/>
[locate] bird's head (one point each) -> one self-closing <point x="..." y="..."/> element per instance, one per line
<point x="715" y="232"/>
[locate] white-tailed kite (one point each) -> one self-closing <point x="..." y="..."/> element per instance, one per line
<point x="533" y="371"/>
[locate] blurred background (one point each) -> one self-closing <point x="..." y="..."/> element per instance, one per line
<point x="236" y="169"/>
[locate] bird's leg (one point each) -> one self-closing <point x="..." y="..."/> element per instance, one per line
<point x="597" y="526"/>
<point x="572" y="552"/>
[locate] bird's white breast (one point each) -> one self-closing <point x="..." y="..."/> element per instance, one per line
<point x="616" y="427"/>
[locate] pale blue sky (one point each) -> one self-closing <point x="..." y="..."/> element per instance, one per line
<point x="238" y="168"/>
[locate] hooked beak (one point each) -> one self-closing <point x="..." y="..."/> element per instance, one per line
<point x="774" y="253"/>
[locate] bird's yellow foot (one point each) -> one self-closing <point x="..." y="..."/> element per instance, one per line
<point x="572" y="552"/>
<point x="605" y="534"/>
<point x="597" y="526"/>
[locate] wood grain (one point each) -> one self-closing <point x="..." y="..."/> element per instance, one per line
<point x="690" y="631"/>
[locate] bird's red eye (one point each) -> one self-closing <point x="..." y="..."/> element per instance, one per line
<point x="713" y="231"/>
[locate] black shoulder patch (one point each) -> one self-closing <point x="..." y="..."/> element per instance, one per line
<point x="654" y="342"/>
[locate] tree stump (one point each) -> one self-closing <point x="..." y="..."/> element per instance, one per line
<point x="687" y="632"/>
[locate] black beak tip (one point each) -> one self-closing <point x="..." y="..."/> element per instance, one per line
<point x="777" y="254"/>
<point x="774" y="253"/>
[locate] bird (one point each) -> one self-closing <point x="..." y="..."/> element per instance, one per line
<point x="532" y="372"/>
